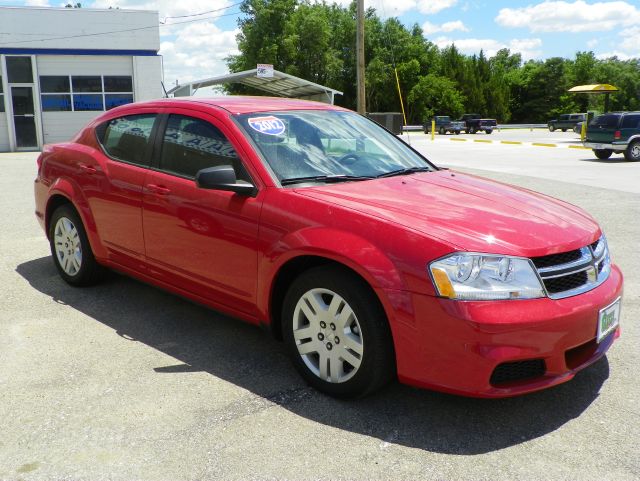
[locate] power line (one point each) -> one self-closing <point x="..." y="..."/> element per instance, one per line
<point x="123" y="30"/>
<point x="203" y="13"/>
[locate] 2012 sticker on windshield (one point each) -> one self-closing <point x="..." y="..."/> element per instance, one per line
<point x="268" y="125"/>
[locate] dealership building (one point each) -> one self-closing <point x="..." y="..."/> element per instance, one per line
<point x="61" y="67"/>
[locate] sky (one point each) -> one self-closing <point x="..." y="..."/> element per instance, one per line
<point x="538" y="29"/>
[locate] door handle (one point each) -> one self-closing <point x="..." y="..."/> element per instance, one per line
<point x="88" y="169"/>
<point x="158" y="189"/>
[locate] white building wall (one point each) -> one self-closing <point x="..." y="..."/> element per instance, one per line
<point x="84" y="65"/>
<point x="4" y="132"/>
<point x="79" y="26"/>
<point x="147" y="75"/>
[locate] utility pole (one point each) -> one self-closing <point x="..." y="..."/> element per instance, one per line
<point x="362" y="105"/>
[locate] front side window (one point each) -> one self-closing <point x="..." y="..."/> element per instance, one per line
<point x="127" y="138"/>
<point x="307" y="143"/>
<point x="192" y="144"/>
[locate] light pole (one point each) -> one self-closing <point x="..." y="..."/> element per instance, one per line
<point x="362" y="105"/>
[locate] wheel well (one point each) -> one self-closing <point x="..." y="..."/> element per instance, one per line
<point x="287" y="274"/>
<point x="55" y="202"/>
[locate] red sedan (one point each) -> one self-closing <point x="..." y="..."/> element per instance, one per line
<point x="368" y="260"/>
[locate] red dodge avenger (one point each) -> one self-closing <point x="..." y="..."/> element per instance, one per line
<point x="369" y="261"/>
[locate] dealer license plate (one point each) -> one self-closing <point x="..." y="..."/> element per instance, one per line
<point x="608" y="319"/>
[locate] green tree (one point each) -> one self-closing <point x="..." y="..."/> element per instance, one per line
<point x="435" y="95"/>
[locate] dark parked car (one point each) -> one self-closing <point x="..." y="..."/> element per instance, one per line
<point x="566" y="122"/>
<point x="444" y="125"/>
<point x="474" y="123"/>
<point x="615" y="132"/>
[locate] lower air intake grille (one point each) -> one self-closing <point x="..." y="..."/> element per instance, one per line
<point x="517" y="371"/>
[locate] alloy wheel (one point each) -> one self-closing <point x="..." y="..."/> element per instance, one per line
<point x="327" y="335"/>
<point x="68" y="247"/>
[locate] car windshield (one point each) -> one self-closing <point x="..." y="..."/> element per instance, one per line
<point x="328" y="145"/>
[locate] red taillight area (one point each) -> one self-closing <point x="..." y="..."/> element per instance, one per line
<point x="617" y="135"/>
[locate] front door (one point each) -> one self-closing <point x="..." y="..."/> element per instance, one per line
<point x="203" y="240"/>
<point x="24" y="120"/>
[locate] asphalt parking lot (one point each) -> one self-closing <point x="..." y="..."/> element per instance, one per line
<point x="123" y="381"/>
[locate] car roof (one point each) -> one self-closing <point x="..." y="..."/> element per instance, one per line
<point x="241" y="104"/>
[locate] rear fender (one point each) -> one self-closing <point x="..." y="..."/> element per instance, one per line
<point x="65" y="187"/>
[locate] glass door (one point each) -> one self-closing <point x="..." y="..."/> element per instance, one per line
<point x="24" y="119"/>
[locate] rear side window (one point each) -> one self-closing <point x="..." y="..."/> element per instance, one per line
<point x="609" y="120"/>
<point x="127" y="138"/>
<point x="192" y="144"/>
<point x="631" y="121"/>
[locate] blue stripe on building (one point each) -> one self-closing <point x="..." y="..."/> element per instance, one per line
<point x="76" y="51"/>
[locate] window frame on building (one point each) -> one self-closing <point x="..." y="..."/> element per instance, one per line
<point x="76" y="92"/>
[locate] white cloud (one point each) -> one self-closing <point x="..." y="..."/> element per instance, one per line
<point x="592" y="43"/>
<point x="430" y="7"/>
<point x="429" y="28"/>
<point x="620" y="55"/>
<point x="529" y="48"/>
<point x="631" y="40"/>
<point x="562" y="16"/>
<point x="198" y="51"/>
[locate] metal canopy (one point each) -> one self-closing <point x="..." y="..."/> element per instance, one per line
<point x="280" y="85"/>
<point x="594" y="89"/>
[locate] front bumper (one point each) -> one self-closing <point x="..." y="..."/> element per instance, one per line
<point x="455" y="346"/>
<point x="615" y="146"/>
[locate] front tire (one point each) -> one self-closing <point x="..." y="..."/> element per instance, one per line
<point x="71" y="250"/>
<point x="603" y="154"/>
<point x="488" y="131"/>
<point x="551" y="128"/>
<point x="632" y="153"/>
<point x="442" y="131"/>
<point x="337" y="333"/>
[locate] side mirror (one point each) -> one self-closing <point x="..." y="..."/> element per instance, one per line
<point x="223" y="177"/>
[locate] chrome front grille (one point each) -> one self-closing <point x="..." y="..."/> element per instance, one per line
<point x="574" y="272"/>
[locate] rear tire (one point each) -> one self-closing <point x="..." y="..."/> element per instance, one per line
<point x="632" y="154"/>
<point x="603" y="154"/>
<point x="70" y="248"/>
<point x="551" y="128"/>
<point x="472" y="130"/>
<point x="564" y="130"/>
<point x="337" y="333"/>
<point x="488" y="131"/>
<point x="442" y="131"/>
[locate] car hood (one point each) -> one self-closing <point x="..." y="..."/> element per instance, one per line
<point x="468" y="212"/>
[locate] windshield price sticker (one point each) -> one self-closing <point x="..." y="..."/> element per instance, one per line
<point x="269" y="125"/>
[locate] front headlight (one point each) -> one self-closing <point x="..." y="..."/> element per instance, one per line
<point x="483" y="277"/>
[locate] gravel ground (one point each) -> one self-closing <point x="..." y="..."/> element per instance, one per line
<point x="123" y="381"/>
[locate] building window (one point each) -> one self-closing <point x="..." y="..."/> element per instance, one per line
<point x="82" y="93"/>
<point x="19" y="70"/>
<point x="1" y="96"/>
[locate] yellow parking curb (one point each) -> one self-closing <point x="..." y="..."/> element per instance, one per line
<point x="511" y="142"/>
<point x="458" y="140"/>
<point x="483" y="141"/>
<point x="540" y="144"/>
<point x="579" y="147"/>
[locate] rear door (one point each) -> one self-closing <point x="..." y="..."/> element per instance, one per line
<point x="114" y="186"/>
<point x="602" y="128"/>
<point x="630" y="125"/>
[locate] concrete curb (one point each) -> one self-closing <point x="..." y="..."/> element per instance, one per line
<point x="517" y="142"/>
